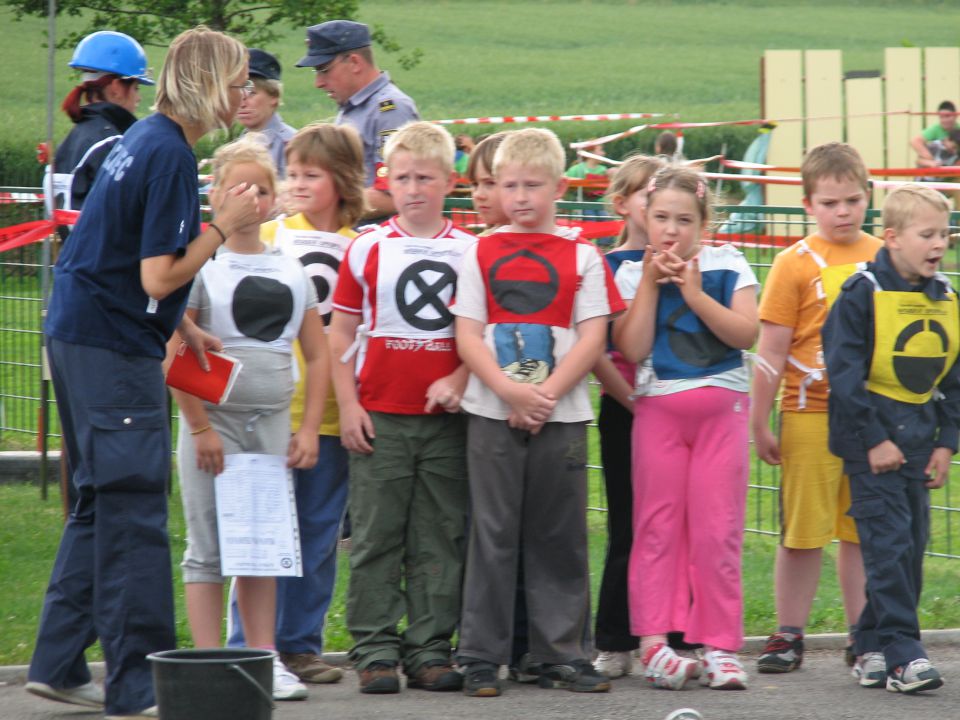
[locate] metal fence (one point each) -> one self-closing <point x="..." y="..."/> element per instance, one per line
<point x="760" y="231"/>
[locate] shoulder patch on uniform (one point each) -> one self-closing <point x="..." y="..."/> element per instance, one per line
<point x="387" y="105"/>
<point x="381" y="170"/>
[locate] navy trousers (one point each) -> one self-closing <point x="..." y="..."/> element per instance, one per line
<point x="112" y="577"/>
<point x="893" y="521"/>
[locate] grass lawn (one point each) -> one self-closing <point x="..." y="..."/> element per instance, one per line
<point x="30" y="531"/>
<point x="698" y="58"/>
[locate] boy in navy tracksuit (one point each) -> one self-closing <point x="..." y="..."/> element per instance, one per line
<point x="891" y="343"/>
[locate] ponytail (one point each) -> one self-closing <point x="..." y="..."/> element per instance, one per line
<point x="93" y="89"/>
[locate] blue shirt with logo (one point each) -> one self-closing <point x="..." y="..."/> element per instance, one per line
<point x="143" y="203"/>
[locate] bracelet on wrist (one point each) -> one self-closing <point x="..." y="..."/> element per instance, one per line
<point x="200" y="430"/>
<point x="223" y="235"/>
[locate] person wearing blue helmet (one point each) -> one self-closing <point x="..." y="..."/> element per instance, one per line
<point x="113" y="67"/>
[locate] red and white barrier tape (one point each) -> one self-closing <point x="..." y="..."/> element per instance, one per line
<point x="507" y="119"/>
<point x="945" y="171"/>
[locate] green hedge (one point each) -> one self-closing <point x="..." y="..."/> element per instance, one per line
<point x="19" y="166"/>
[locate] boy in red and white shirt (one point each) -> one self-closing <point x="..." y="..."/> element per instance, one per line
<point x="532" y="311"/>
<point x="399" y="382"/>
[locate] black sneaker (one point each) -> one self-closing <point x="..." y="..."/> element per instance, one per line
<point x="913" y="677"/>
<point x="782" y="653"/>
<point x="849" y="656"/>
<point x="524" y="671"/>
<point x="480" y="680"/>
<point x="577" y="676"/>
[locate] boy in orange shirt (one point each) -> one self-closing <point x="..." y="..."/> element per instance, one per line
<point x="815" y="493"/>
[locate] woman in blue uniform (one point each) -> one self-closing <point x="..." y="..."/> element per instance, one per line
<point x="120" y="289"/>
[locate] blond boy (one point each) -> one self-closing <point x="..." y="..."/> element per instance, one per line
<point x="398" y="384"/>
<point x="532" y="311"/>
<point x="815" y="493"/>
<point x="891" y="343"/>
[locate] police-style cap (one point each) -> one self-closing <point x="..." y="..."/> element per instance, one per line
<point x="263" y="65"/>
<point x="327" y="40"/>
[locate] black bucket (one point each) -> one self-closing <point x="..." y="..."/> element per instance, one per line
<point x="214" y="684"/>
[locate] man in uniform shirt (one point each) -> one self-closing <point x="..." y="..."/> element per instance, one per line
<point x="340" y="53"/>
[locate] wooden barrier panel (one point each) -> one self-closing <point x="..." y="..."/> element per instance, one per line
<point x="865" y="97"/>
<point x="783" y="98"/>
<point x="823" y="95"/>
<point x="941" y="72"/>
<point x="903" y="83"/>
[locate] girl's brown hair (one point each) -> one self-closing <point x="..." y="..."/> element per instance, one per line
<point x="683" y="179"/>
<point x="633" y="175"/>
<point x="483" y="154"/>
<point x="338" y="150"/>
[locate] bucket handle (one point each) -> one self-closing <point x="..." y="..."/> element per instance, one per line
<point x="246" y="676"/>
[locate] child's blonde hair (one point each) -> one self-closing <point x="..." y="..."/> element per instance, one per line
<point x="247" y="149"/>
<point x="833" y="159"/>
<point x="483" y="155"/>
<point x="193" y="85"/>
<point x="902" y="203"/>
<point x="683" y="179"/>
<point x="424" y="141"/>
<point x="531" y="147"/>
<point x="633" y="175"/>
<point x="339" y="151"/>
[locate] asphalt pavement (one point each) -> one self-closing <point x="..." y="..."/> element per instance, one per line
<point x="821" y="690"/>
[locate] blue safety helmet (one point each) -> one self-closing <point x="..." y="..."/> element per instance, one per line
<point x="112" y="52"/>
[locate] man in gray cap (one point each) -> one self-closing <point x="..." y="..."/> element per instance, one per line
<point x="340" y="53"/>
<point x="258" y="109"/>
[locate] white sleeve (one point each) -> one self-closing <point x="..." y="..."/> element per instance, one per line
<point x="471" y="299"/>
<point x="627" y="278"/>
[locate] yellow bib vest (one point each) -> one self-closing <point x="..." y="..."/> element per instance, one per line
<point x="915" y="343"/>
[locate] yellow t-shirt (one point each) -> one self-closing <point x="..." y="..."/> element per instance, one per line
<point x="330" y="425"/>
<point x="792" y="296"/>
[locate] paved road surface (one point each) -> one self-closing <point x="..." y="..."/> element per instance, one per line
<point x="822" y="690"/>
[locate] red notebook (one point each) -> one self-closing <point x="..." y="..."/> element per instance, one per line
<point x="186" y="374"/>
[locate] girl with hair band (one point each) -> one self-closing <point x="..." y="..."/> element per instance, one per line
<point x="119" y="293"/>
<point x="694" y="313"/>
<point x="257" y="301"/>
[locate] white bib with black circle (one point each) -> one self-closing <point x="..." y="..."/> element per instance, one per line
<point x="255" y="300"/>
<point x="320" y="253"/>
<point x="416" y="282"/>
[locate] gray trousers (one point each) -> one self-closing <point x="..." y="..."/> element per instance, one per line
<point x="529" y="489"/>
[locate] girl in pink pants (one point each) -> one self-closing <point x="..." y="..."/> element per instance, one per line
<point x="694" y="312"/>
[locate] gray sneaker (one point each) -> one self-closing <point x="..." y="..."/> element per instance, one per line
<point x="913" y="677"/>
<point x="88" y="695"/>
<point x="870" y="670"/>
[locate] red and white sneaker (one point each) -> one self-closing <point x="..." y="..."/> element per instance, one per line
<point x="722" y="670"/>
<point x="665" y="669"/>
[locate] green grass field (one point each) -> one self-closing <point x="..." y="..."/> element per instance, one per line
<point x="698" y="58"/>
<point x="31" y="529"/>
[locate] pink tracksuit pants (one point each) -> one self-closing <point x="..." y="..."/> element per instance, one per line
<point x="690" y="473"/>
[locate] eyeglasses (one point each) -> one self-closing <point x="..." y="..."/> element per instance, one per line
<point x="246" y="89"/>
<point x="324" y="69"/>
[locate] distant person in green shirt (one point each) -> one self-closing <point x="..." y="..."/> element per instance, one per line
<point x="947" y="115"/>
<point x="465" y="145"/>
<point x="590" y="169"/>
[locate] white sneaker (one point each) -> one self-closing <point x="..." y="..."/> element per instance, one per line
<point x="286" y="686"/>
<point x="913" y="677"/>
<point x="870" y="670"/>
<point x="665" y="669"/>
<point x="723" y="670"/>
<point x="613" y="664"/>
<point x="88" y="695"/>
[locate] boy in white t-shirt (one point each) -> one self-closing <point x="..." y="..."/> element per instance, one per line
<point x="532" y="311"/>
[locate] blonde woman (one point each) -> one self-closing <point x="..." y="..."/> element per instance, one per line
<point x="120" y="290"/>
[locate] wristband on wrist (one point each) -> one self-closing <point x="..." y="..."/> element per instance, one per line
<point x="223" y="236"/>
<point x="200" y="430"/>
